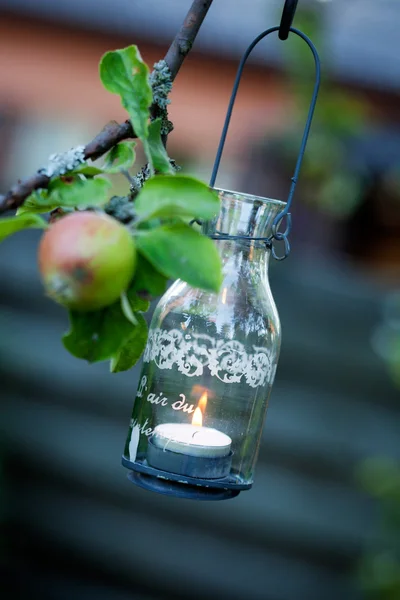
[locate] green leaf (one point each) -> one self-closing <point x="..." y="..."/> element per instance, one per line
<point x="126" y="309"/>
<point x="131" y="303"/>
<point x="176" y="195"/>
<point x="68" y="191"/>
<point x="120" y="157"/>
<point x="157" y="153"/>
<point x="179" y="252"/>
<point x="35" y="203"/>
<point x="136" y="302"/>
<point x="87" y="170"/>
<point x="97" y="335"/>
<point x="123" y="72"/>
<point x="132" y="350"/>
<point x="74" y="191"/>
<point x="10" y="225"/>
<point x="148" y="279"/>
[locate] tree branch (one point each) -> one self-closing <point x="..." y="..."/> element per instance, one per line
<point x="114" y="132"/>
<point x="183" y="41"/>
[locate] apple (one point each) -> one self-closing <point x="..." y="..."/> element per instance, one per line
<point x="86" y="260"/>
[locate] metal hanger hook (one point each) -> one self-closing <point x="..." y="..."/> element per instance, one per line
<point x="280" y="235"/>
<point x="282" y="30"/>
<point x="289" y="10"/>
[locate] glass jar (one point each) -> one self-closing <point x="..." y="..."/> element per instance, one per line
<point x="208" y="368"/>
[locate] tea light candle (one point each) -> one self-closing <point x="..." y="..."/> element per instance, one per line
<point x="191" y="449"/>
<point x="191" y="440"/>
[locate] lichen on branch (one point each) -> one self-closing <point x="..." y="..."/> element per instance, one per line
<point x="161" y="83"/>
<point x="62" y="163"/>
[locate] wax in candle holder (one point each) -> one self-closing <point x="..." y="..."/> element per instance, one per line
<point x="190" y="450"/>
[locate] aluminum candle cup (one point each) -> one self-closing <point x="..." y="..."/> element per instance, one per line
<point x="190" y="450"/>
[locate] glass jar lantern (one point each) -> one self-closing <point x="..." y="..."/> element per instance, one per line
<point x="210" y="359"/>
<point x="209" y="366"/>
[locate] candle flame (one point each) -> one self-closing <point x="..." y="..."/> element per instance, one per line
<point x="197" y="420"/>
<point x="203" y="402"/>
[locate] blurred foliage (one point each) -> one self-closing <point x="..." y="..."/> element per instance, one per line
<point x="330" y="180"/>
<point x="386" y="338"/>
<point x="379" y="571"/>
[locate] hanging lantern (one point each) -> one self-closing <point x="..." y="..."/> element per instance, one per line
<point x="210" y="359"/>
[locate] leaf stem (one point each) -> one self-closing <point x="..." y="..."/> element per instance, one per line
<point x="146" y="148"/>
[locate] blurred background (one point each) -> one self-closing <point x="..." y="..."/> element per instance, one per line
<point x="323" y="518"/>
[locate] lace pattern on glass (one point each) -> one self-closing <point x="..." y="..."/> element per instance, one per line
<point x="193" y="353"/>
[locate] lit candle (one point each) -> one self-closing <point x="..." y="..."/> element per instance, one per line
<point x="191" y="449"/>
<point x="191" y="440"/>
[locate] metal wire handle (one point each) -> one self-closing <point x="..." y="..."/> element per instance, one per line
<point x="283" y="30"/>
